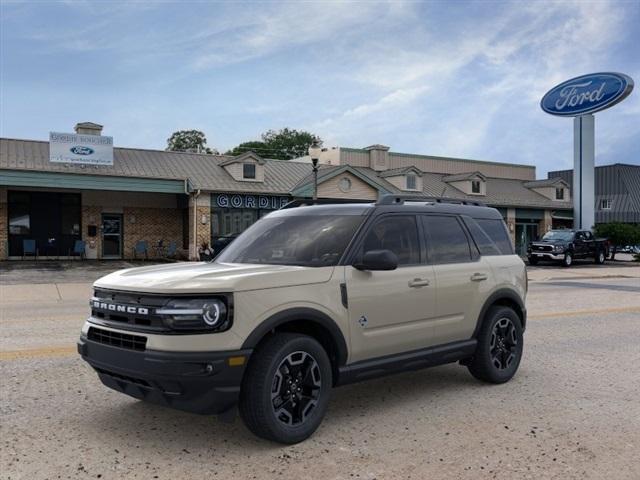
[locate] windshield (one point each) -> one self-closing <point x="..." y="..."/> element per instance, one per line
<point x="309" y="241"/>
<point x="558" y="235"/>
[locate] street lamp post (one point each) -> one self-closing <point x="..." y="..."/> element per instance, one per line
<point x="314" y="153"/>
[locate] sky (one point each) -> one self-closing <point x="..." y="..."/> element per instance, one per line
<point x="446" y="78"/>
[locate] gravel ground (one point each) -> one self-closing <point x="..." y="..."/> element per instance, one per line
<point x="571" y="412"/>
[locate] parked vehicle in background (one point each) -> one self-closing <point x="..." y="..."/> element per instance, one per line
<point x="565" y="246"/>
<point x="309" y="298"/>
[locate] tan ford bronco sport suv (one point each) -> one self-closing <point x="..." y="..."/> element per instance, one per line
<point x="309" y="298"/>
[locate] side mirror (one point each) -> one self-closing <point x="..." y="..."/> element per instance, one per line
<point x="377" y="260"/>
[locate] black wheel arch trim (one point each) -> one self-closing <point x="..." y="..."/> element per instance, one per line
<point x="301" y="314"/>
<point x="495" y="298"/>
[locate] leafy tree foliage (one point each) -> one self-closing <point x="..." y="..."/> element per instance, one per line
<point x="188" y="141"/>
<point x="255" y="146"/>
<point x="283" y="144"/>
<point x="619" y="234"/>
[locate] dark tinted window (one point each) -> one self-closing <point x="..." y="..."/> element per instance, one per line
<point x="446" y="240"/>
<point x="248" y="170"/>
<point x="398" y="234"/>
<point x="19" y="213"/>
<point x="497" y="232"/>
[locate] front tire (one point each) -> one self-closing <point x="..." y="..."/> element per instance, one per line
<point x="500" y="345"/>
<point x="600" y="257"/>
<point x="567" y="261"/>
<point x="532" y="260"/>
<point x="285" y="391"/>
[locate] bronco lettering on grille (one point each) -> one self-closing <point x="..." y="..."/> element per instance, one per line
<point x="112" y="307"/>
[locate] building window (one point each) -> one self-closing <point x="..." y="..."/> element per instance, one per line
<point x="19" y="213"/>
<point x="605" y="204"/>
<point x="559" y="193"/>
<point x="249" y="170"/>
<point x="344" y="185"/>
<point x="475" y="186"/>
<point x="411" y="182"/>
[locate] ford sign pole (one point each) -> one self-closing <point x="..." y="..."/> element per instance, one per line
<point x="580" y="97"/>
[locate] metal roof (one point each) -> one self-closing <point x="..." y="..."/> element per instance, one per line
<point x="202" y="170"/>
<point x="205" y="172"/>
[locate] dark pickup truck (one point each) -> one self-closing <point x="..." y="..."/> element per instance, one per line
<point x="566" y="245"/>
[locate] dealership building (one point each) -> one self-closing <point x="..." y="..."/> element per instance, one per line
<point x="78" y="187"/>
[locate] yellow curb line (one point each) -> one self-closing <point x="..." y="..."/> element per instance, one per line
<point x="38" y="353"/>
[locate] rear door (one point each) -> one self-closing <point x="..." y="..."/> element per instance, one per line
<point x="391" y="311"/>
<point x="463" y="278"/>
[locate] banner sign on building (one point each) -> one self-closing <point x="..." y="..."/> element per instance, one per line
<point x="80" y="149"/>
<point x="240" y="200"/>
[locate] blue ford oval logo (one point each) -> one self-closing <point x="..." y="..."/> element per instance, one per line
<point x="79" y="150"/>
<point x="587" y="94"/>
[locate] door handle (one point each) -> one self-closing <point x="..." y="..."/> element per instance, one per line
<point x="478" y="277"/>
<point x="418" y="282"/>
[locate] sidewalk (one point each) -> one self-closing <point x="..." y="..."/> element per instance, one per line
<point x="584" y="271"/>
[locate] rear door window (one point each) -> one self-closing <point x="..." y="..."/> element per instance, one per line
<point x="497" y="232"/>
<point x="446" y="240"/>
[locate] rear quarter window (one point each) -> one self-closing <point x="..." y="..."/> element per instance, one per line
<point x="490" y="235"/>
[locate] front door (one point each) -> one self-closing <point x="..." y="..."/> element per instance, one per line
<point x="111" y="235"/>
<point x="391" y="311"/>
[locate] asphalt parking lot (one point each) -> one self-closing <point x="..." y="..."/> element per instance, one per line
<point x="571" y="412"/>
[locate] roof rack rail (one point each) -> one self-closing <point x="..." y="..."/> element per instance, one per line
<point x="304" y="202"/>
<point x="400" y="199"/>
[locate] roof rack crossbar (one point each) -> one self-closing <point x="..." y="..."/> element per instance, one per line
<point x="400" y="199"/>
<point x="303" y="202"/>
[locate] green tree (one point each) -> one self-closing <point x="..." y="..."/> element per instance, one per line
<point x="283" y="144"/>
<point x="255" y="146"/>
<point x="619" y="234"/>
<point x="188" y="141"/>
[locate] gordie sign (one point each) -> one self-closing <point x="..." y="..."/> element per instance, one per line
<point x="587" y="94"/>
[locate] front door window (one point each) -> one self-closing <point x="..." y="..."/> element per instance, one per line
<point x="111" y="236"/>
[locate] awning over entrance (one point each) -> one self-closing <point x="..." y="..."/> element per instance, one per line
<point x="29" y="178"/>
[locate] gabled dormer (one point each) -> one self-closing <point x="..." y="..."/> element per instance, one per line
<point x="247" y="167"/>
<point x="472" y="183"/>
<point x="552" y="188"/>
<point x="408" y="179"/>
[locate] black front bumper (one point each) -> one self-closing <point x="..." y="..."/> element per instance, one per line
<point x="198" y="382"/>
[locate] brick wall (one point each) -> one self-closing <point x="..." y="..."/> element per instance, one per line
<point x="91" y="216"/>
<point x="152" y="225"/>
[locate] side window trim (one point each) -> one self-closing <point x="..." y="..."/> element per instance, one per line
<point x="364" y="231"/>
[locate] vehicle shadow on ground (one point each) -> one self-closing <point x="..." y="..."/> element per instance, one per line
<point x="351" y="406"/>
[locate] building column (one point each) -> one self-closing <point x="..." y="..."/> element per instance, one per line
<point x="511" y="225"/>
<point x="546" y="223"/>
<point x="199" y="222"/>
<point x="4" y="225"/>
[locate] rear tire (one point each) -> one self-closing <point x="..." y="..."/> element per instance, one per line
<point x="500" y="345"/>
<point x="600" y="257"/>
<point x="567" y="261"/>
<point x="286" y="388"/>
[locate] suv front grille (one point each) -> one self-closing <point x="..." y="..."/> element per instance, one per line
<point x="139" y="311"/>
<point x="117" y="339"/>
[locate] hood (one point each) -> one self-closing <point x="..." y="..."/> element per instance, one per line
<point x="188" y="277"/>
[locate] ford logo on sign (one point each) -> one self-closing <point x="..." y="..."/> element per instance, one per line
<point x="78" y="150"/>
<point x="587" y="94"/>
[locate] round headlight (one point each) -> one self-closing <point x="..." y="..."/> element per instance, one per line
<point x="211" y="314"/>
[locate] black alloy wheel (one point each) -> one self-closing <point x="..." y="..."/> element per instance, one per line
<point x="286" y="388"/>
<point x="500" y="346"/>
<point x="504" y="344"/>
<point x="295" y="390"/>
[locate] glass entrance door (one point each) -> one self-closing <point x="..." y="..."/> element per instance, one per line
<point x="525" y="233"/>
<point x="111" y="235"/>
